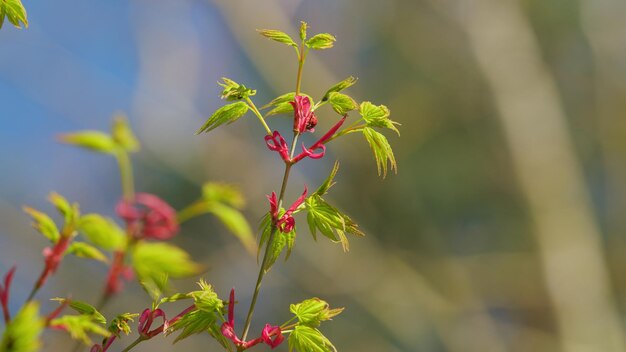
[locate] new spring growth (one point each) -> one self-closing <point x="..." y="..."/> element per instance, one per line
<point x="286" y="222"/>
<point x="271" y="335"/>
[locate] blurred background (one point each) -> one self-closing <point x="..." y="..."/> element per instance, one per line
<point x="502" y="231"/>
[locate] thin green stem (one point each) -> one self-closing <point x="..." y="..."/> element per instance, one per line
<point x="301" y="59"/>
<point x="139" y="340"/>
<point x="126" y="174"/>
<point x="262" y="269"/>
<point x="258" y="114"/>
<point x="293" y="145"/>
<point x="36" y="287"/>
<point x="191" y="211"/>
<point x="286" y="324"/>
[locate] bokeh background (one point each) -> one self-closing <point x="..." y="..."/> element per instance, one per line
<point x="502" y="231"/>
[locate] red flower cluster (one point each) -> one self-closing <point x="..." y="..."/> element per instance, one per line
<point x="319" y="144"/>
<point x="148" y="216"/>
<point x="277" y="143"/>
<point x="303" y="118"/>
<point x="145" y="322"/>
<point x="271" y="335"/>
<point x="286" y="222"/>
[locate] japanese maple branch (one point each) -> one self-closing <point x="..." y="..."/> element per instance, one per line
<point x="262" y="270"/>
<point x="270" y="240"/>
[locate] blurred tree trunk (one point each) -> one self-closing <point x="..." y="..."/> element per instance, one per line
<point x="533" y="121"/>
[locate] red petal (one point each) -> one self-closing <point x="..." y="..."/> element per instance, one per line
<point x="231" y="308"/>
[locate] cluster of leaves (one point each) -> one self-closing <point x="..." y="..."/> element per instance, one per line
<point x="321" y="216"/>
<point x="305" y="335"/>
<point x="74" y="222"/>
<point x="88" y="321"/>
<point x="207" y="314"/>
<point x="285" y="240"/>
<point x="328" y="220"/>
<point x="14" y="11"/>
<point x="155" y="263"/>
<point x="317" y="42"/>
<point x="372" y="117"/>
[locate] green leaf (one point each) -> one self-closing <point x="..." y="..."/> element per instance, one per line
<point x="381" y="149"/>
<point x="329" y="221"/>
<point x="265" y="228"/>
<point x="234" y="91"/>
<point x="307" y="339"/>
<point x="342" y="103"/>
<point x="346" y="83"/>
<point x="222" y="200"/>
<point x="206" y="299"/>
<point x="92" y="140"/>
<point x="194" y="322"/>
<point x="278" y="36"/>
<point x="43" y="224"/>
<point x="84" y="308"/>
<point x="285" y="98"/>
<point x="173" y="298"/>
<point x="80" y="326"/>
<point x="123" y="135"/>
<point x="155" y="262"/>
<point x="280" y="109"/>
<point x="216" y="332"/>
<point x="208" y="308"/>
<point x="70" y="212"/>
<point x="282" y="104"/>
<point x="313" y="311"/>
<point x="235" y="222"/>
<point x="321" y="41"/>
<point x="101" y="231"/>
<point x="223" y="193"/>
<point x="329" y="182"/>
<point x="120" y="324"/>
<point x="22" y="333"/>
<point x="281" y="240"/>
<point x="14" y="11"/>
<point x="277" y="246"/>
<point x="290" y="238"/>
<point x="377" y="116"/>
<point x="225" y="115"/>
<point x="84" y="250"/>
<point x="303" y="26"/>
